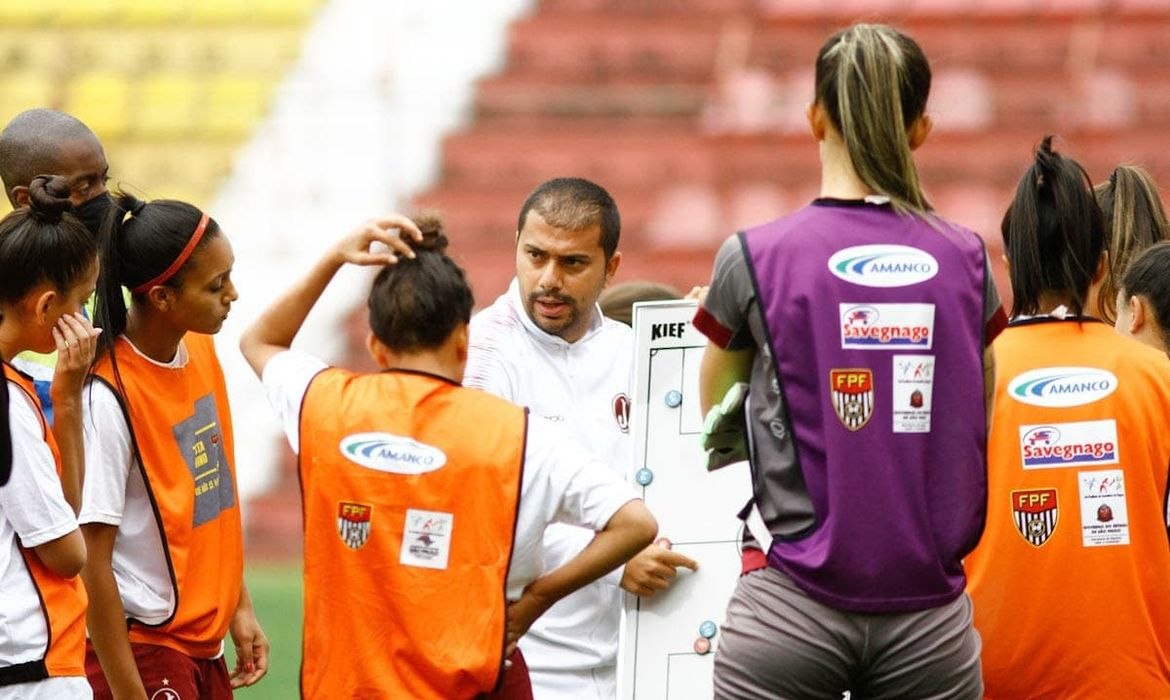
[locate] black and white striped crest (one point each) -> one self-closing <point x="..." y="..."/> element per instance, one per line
<point x="353" y="523"/>
<point x="852" y="395"/>
<point x="1035" y="513"/>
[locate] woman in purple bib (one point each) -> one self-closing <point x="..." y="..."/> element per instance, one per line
<point x="860" y="323"/>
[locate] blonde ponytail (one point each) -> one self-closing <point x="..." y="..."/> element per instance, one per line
<point x="873" y="81"/>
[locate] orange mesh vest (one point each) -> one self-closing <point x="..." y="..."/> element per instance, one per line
<point x="1071" y="582"/>
<point x="62" y="600"/>
<point x="411" y="485"/>
<point x="181" y="432"/>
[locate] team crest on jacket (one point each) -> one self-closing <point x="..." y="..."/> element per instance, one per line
<point x="621" y="412"/>
<point x="1034" y="512"/>
<point x="353" y="523"/>
<point x="852" y="394"/>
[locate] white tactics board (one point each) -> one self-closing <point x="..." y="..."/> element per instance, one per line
<point x="696" y="511"/>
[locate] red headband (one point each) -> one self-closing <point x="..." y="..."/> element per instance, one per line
<point x="186" y="253"/>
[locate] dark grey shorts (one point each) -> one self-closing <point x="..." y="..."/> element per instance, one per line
<point x="778" y="642"/>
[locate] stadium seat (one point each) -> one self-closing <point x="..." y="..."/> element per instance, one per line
<point x="102" y="101"/>
<point x="25" y="14"/>
<point x="22" y="91"/>
<point x="151" y="12"/>
<point x="169" y="105"/>
<point x="220" y="12"/>
<point x="84" y="13"/>
<point x="234" y="104"/>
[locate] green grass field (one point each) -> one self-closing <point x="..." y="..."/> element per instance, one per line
<point x="276" y="593"/>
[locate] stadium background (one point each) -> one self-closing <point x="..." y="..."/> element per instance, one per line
<point x="291" y="120"/>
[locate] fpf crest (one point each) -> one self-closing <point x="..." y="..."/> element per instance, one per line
<point x="1035" y="512"/>
<point x="851" y="391"/>
<point x="353" y="523"/>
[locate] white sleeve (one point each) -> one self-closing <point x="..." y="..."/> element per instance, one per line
<point x="579" y="488"/>
<point x="32" y="500"/>
<point x="286" y="379"/>
<point x="109" y="456"/>
<point x="489" y="366"/>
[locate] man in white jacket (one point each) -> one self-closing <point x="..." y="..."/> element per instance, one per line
<point x="545" y="344"/>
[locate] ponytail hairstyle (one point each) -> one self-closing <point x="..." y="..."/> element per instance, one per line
<point x="38" y="243"/>
<point x="1053" y="233"/>
<point x="43" y="242"/>
<point x="873" y="82"/>
<point x="417" y="303"/>
<point x="1148" y="276"/>
<point x="144" y="244"/>
<point x="1134" y="221"/>
<point x="5" y="431"/>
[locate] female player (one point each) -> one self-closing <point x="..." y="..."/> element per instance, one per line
<point x="1143" y="298"/>
<point x="161" y="516"/>
<point x="425" y="502"/>
<point x="868" y="473"/>
<point x="1070" y="578"/>
<point x="1134" y="221"/>
<point x="49" y="263"/>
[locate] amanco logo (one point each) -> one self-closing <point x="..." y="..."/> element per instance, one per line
<point x="392" y="453"/>
<point x="1061" y="387"/>
<point x="883" y="265"/>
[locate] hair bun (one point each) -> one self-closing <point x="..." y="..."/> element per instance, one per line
<point x="48" y="198"/>
<point x="1046" y="162"/>
<point x="132" y="204"/>
<point x="431" y="225"/>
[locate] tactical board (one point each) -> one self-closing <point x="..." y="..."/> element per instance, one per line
<point x="696" y="511"/>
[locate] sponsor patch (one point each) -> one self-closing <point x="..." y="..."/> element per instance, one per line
<point x="913" y="389"/>
<point x="1035" y="513"/>
<point x="1104" y="517"/>
<point x="353" y="523"/>
<point x="1061" y="387"/>
<point x="883" y="265"/>
<point x="852" y="395"/>
<point x="621" y="412"/>
<point x="886" y="326"/>
<point x="391" y="453"/>
<point x="1068" y="444"/>
<point x="202" y="446"/>
<point x="426" y="539"/>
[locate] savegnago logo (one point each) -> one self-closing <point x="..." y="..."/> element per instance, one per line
<point x="882" y="326"/>
<point x="883" y="265"/>
<point x="392" y="453"/>
<point x="1061" y="387"/>
<point x="1068" y="444"/>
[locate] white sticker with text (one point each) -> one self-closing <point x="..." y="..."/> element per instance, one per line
<point x="1104" y="518"/>
<point x="426" y="539"/>
<point x="1055" y="445"/>
<point x="886" y="326"/>
<point x="913" y="387"/>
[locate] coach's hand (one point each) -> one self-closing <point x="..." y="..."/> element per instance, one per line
<point x="653" y="569"/>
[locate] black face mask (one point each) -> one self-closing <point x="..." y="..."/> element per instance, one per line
<point x="92" y="211"/>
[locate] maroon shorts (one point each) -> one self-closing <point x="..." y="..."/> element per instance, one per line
<point x="167" y="674"/>
<point x="515" y="684"/>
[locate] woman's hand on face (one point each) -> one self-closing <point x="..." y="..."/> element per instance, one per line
<point x="76" y="341"/>
<point x="359" y="246"/>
